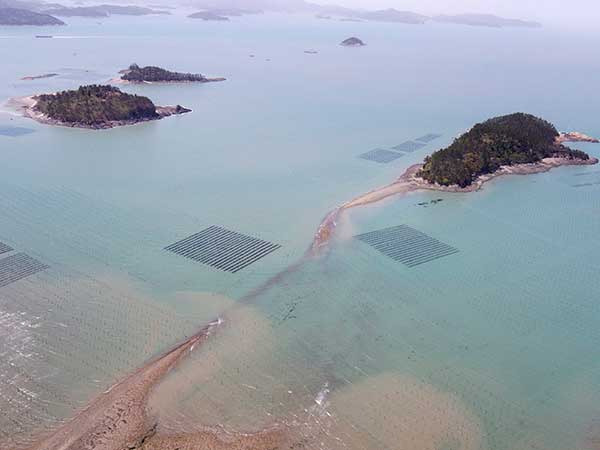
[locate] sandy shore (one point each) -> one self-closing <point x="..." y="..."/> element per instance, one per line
<point x="410" y="182"/>
<point x="26" y="107"/>
<point x="117" y="418"/>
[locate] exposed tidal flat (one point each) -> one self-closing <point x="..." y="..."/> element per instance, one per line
<point x="490" y="348"/>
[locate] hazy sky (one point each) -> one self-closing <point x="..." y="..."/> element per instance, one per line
<point x="544" y="10"/>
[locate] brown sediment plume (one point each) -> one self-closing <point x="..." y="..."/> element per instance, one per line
<point x="117" y="418"/>
<point x="398" y="412"/>
<point x="409" y="181"/>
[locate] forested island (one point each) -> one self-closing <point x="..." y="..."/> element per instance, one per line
<point x="502" y="141"/>
<point x="153" y="74"/>
<point x="352" y="42"/>
<point x="95" y="107"/>
<point x="16" y="16"/>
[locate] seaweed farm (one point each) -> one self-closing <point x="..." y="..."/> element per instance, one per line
<point x="428" y="137"/>
<point x="409" y="146"/>
<point x="407" y="245"/>
<point x="226" y="250"/>
<point x="5" y="248"/>
<point x="16" y="267"/>
<point x="381" y="155"/>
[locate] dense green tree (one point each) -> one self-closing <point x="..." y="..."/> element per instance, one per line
<point x="502" y="141"/>
<point x="136" y="73"/>
<point x="95" y="105"/>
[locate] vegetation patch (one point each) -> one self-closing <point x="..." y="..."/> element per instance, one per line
<point x="502" y="141"/>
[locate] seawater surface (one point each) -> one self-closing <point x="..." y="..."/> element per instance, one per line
<point x="490" y="348"/>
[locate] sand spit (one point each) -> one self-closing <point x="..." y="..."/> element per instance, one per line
<point x="117" y="418"/>
<point x="26" y="107"/>
<point x="273" y="440"/>
<point x="410" y="182"/>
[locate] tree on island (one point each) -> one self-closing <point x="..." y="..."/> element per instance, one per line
<point x="95" y="104"/>
<point x="155" y="74"/>
<point x="502" y="141"/>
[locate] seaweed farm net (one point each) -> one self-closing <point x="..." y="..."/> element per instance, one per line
<point x="5" y="248"/>
<point x="223" y="249"/>
<point x="428" y="137"/>
<point x="407" y="245"/>
<point x="409" y="146"/>
<point x="16" y="267"/>
<point x="381" y="155"/>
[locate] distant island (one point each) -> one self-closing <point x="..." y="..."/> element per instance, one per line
<point x="209" y="16"/>
<point x="502" y="141"/>
<point x="93" y="107"/>
<point x="153" y="74"/>
<point x="101" y="11"/>
<point x="16" y="16"/>
<point x="353" y="42"/>
<point x="392" y="15"/>
<point x="223" y="14"/>
<point x="39" y="77"/>
<point x="485" y="20"/>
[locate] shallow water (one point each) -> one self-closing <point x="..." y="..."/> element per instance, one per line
<point x="491" y="347"/>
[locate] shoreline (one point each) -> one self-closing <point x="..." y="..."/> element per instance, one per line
<point x="26" y="107"/>
<point x="409" y="182"/>
<point x="117" y="418"/>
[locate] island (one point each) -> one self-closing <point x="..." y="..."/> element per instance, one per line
<point x="16" y="16"/>
<point x="101" y="11"/>
<point x="393" y="16"/>
<point x="485" y="20"/>
<point x="153" y="74"/>
<point x="93" y="107"/>
<point x="209" y="16"/>
<point x="223" y="14"/>
<point x="39" y="77"/>
<point x="499" y="142"/>
<point x="515" y="144"/>
<point x="352" y="42"/>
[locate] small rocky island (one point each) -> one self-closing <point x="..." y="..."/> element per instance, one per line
<point x="153" y="74"/>
<point x="516" y="140"/>
<point x="94" y="107"/>
<point x="16" y="16"/>
<point x="209" y="16"/>
<point x="353" y="42"/>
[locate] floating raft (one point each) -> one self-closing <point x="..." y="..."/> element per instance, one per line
<point x="223" y="249"/>
<point x="14" y="131"/>
<point x="16" y="267"/>
<point x="407" y="245"/>
<point x="381" y="155"/>
<point x="428" y="137"/>
<point x="409" y="146"/>
<point x="5" y="248"/>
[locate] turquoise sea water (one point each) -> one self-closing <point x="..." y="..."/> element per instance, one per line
<point x="490" y="348"/>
